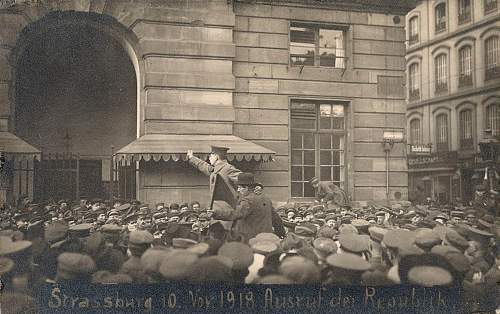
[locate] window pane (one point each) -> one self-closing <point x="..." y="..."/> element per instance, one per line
<point x="309" y="141"/>
<point x="331" y="48"/>
<point x="296" y="140"/>
<point x="338" y="123"/>
<point x="308" y="157"/>
<point x="308" y="190"/>
<point x="337" y="142"/>
<point x="296" y="157"/>
<point x="325" y="141"/>
<point x="302" y="45"/>
<point x="303" y="123"/>
<point x="336" y="158"/>
<point x="325" y="157"/>
<point x="302" y="35"/>
<point x="336" y="173"/>
<point x="297" y="190"/>
<point x="325" y="123"/>
<point x="303" y="115"/>
<point x="296" y="174"/>
<point x="309" y="173"/>
<point x="326" y="173"/>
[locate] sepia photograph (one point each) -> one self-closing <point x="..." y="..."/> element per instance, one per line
<point x="249" y="156"/>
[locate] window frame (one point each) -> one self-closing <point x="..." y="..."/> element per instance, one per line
<point x="488" y="119"/>
<point x="465" y="80"/>
<point x="442" y="146"/>
<point x="441" y="86"/>
<point x="414" y="94"/>
<point x="443" y="24"/>
<point x="413" y="38"/>
<point x="466" y="128"/>
<point x="316" y="132"/>
<point x="488" y="8"/>
<point x="317" y="57"/>
<point x="412" y="137"/>
<point x="491" y="72"/>
<point x="464" y="16"/>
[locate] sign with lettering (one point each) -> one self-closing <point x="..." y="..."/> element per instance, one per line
<point x="4" y="4"/>
<point x="420" y="149"/>
<point x="448" y="159"/>
<point x="393" y="135"/>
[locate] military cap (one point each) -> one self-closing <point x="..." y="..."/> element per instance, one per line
<point x="353" y="243"/>
<point x="56" y="231"/>
<point x="348" y="261"/>
<point x="427" y="238"/>
<point x="380" y="213"/>
<point x="264" y="247"/>
<point x="377" y="233"/>
<point x="111" y="228"/>
<point x="218" y="149"/>
<point x="199" y="248"/>
<point x="398" y="238"/>
<point x="455" y="239"/>
<point x="152" y="258"/>
<point x="80" y="230"/>
<point x="274" y="280"/>
<point x="74" y="263"/>
<point x="305" y="230"/>
<point x="443" y="250"/>
<point x="457" y="213"/>
<point x="327" y="232"/>
<point x="347" y="228"/>
<point x="325" y="245"/>
<point x="487" y="221"/>
<point x="130" y="218"/>
<point x="183" y="243"/>
<point x="300" y="269"/>
<point x="140" y="237"/>
<point x="175" y="265"/>
<point x="479" y="234"/>
<point x="6" y="265"/>
<point x="429" y="276"/>
<point x="123" y="207"/>
<point x="331" y="217"/>
<point x="240" y="254"/>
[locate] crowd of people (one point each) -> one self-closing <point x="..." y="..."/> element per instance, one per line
<point x="309" y="243"/>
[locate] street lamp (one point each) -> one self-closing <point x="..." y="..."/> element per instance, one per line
<point x="489" y="148"/>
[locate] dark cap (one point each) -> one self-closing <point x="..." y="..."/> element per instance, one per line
<point x="176" y="263"/>
<point x="245" y="178"/>
<point x="300" y="269"/>
<point x="240" y="254"/>
<point x="139" y="237"/>
<point x="353" y="243"/>
<point x="218" y="150"/>
<point x="80" y="230"/>
<point x="427" y="238"/>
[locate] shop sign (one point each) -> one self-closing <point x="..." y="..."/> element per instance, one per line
<point x="448" y="159"/>
<point x="420" y="149"/>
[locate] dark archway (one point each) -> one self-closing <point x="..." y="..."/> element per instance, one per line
<point x="75" y="96"/>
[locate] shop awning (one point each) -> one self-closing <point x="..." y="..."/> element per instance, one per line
<point x="174" y="147"/>
<point x="14" y="147"/>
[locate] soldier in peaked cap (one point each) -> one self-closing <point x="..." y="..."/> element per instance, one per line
<point x="218" y="165"/>
<point x="327" y="191"/>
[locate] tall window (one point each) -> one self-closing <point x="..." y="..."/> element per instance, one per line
<point x="490" y="6"/>
<point x="440" y="13"/>
<point x="441" y="73"/>
<point x="492" y="56"/>
<point x="442" y="132"/>
<point x="414" y="81"/>
<point x="415" y="132"/>
<point x="317" y="144"/>
<point x="316" y="46"/>
<point x="413" y="30"/>
<point x="493" y="118"/>
<point x="465" y="66"/>
<point x="466" y="139"/>
<point x="464" y="11"/>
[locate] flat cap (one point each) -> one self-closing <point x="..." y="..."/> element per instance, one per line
<point x="266" y="236"/>
<point x="327" y="232"/>
<point x="300" y="269"/>
<point x="152" y="258"/>
<point x="56" y="231"/>
<point x="360" y="224"/>
<point x="443" y="250"/>
<point x="347" y="228"/>
<point x="139" y="237"/>
<point x="353" y="243"/>
<point x="348" y="261"/>
<point x="199" y="248"/>
<point x="176" y="263"/>
<point x="80" y="230"/>
<point x="239" y="253"/>
<point x="429" y="276"/>
<point x="399" y="238"/>
<point x="8" y="247"/>
<point x="111" y="228"/>
<point x="75" y="263"/>
<point x="264" y="247"/>
<point x="455" y="239"/>
<point x="183" y="243"/>
<point x="427" y="238"/>
<point x="325" y="245"/>
<point x="377" y="233"/>
<point x="305" y="230"/>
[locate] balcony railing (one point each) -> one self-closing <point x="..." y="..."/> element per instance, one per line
<point x="414" y="94"/>
<point x="442" y="147"/>
<point x="465" y="80"/>
<point x="464" y="17"/>
<point x="441" y="88"/>
<point x="413" y="39"/>
<point x="490" y="6"/>
<point x="492" y="73"/>
<point x="466" y="143"/>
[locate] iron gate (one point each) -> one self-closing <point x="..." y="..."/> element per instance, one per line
<point x="57" y="177"/>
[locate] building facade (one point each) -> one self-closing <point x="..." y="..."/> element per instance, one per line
<point x="453" y="92"/>
<point x="296" y="89"/>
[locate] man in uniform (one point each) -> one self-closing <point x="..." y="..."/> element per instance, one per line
<point x="327" y="191"/>
<point x="218" y="165"/>
<point x="253" y="214"/>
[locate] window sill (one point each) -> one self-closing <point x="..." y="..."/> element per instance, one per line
<point x="315" y="66"/>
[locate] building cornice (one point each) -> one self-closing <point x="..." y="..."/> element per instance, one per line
<point x="459" y="32"/>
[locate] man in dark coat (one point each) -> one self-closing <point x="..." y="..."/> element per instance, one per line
<point x="253" y="214"/>
<point x="327" y="191"/>
<point x="218" y="165"/>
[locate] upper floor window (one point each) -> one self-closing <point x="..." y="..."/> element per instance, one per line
<point x="413" y="30"/>
<point x="465" y="120"/>
<point x="441" y="71"/>
<point x="317" y="144"/>
<point x="464" y="11"/>
<point x="415" y="132"/>
<point x="493" y="118"/>
<point x="414" y="82"/>
<point x="442" y="132"/>
<point x="492" y="56"/>
<point x="317" y="46"/>
<point x="465" y="66"/>
<point x="490" y="5"/>
<point x="440" y="13"/>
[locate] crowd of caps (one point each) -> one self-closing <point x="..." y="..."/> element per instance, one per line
<point x="130" y="242"/>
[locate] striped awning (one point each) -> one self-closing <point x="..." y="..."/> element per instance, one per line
<point x="174" y="147"/>
<point x="14" y="147"/>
